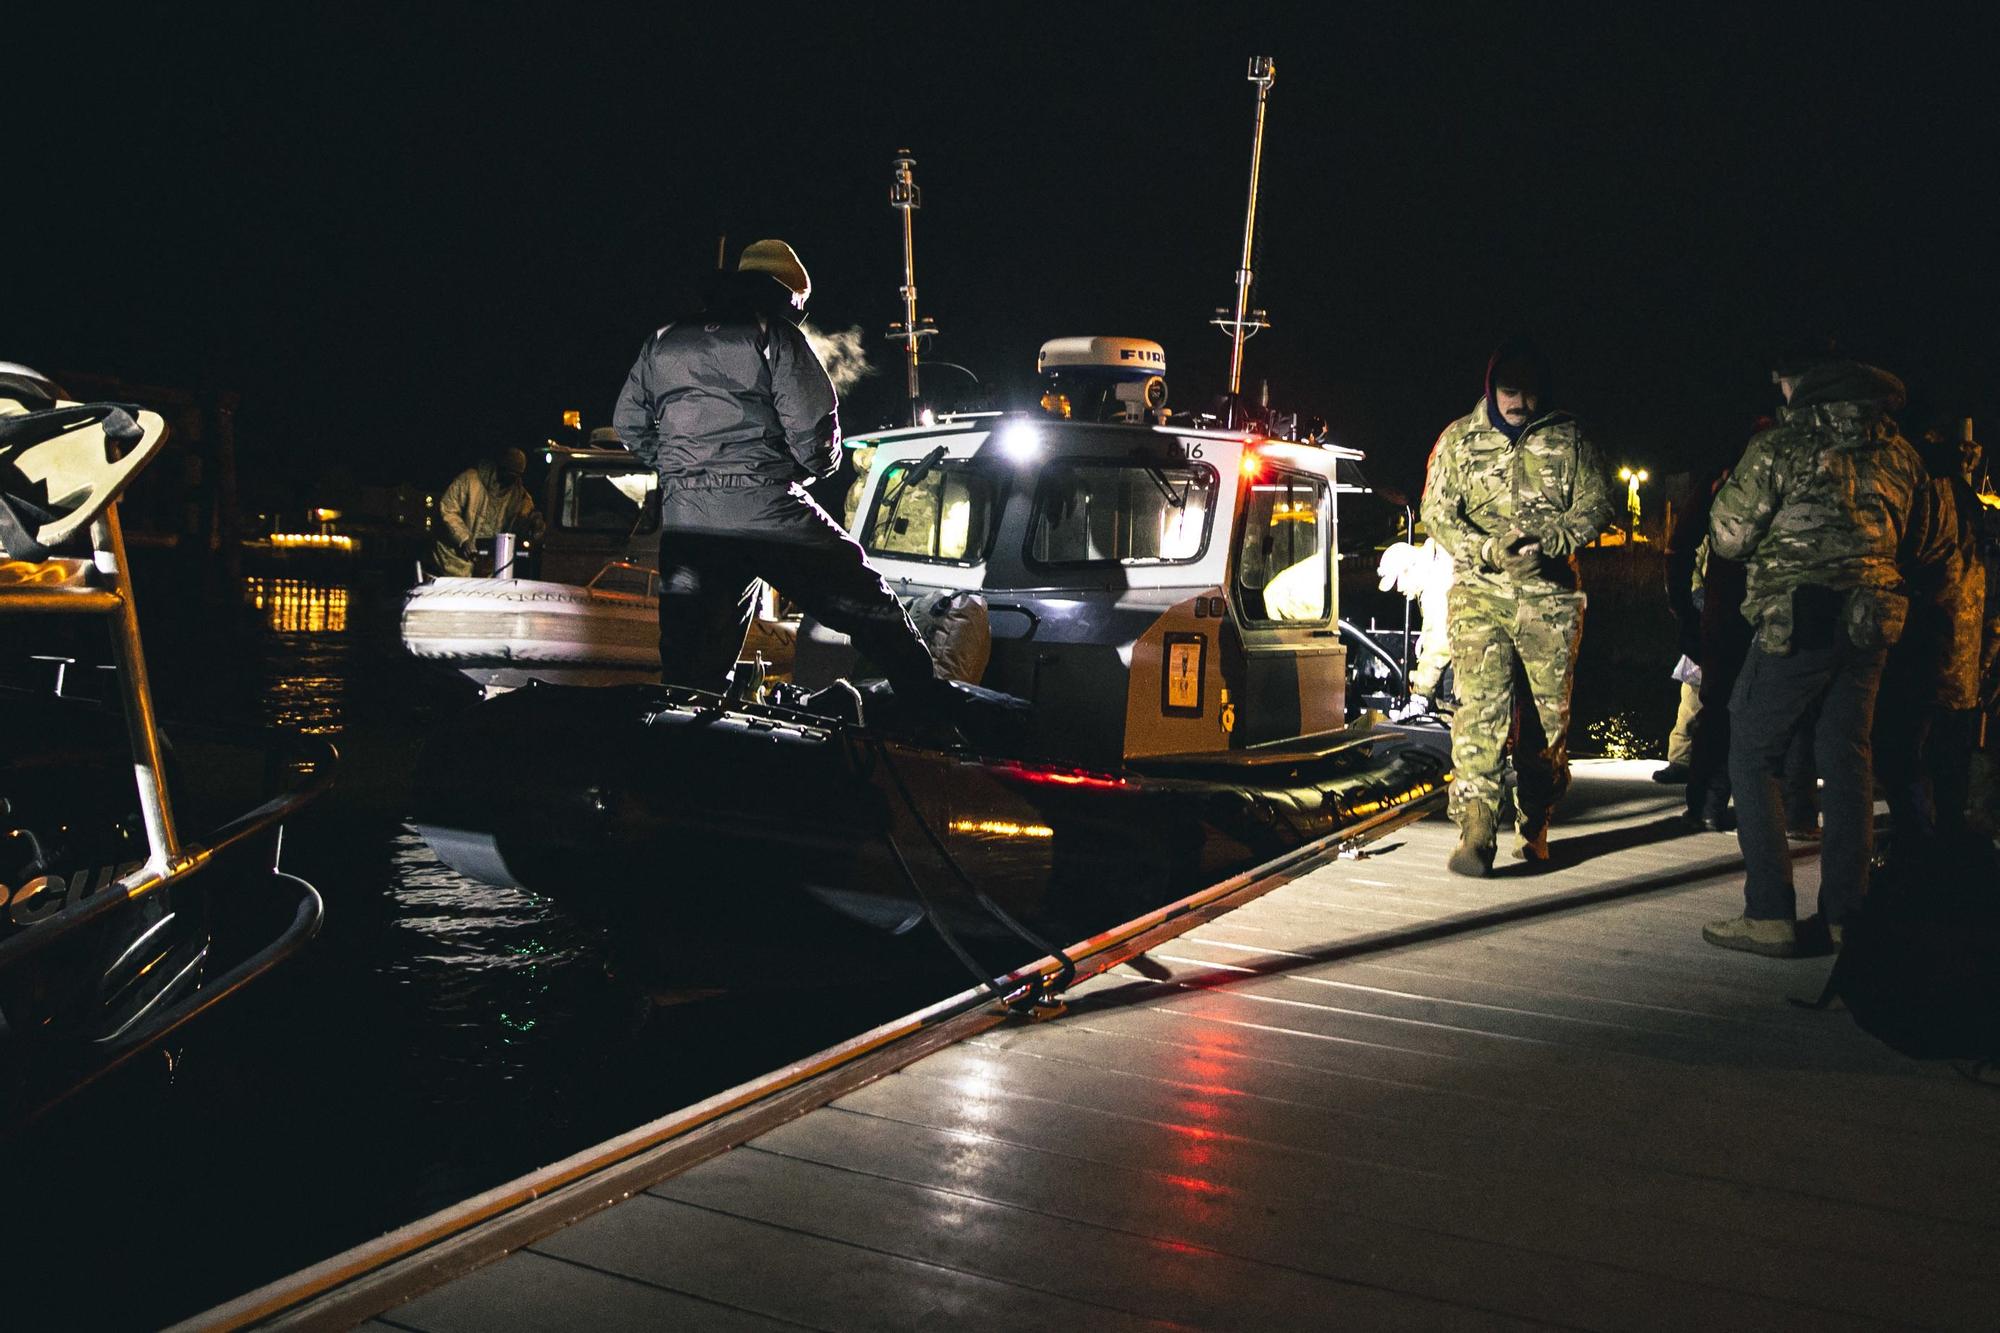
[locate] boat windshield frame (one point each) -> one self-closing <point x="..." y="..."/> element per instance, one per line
<point x="1156" y="470"/>
<point x="874" y="526"/>
<point x="566" y="500"/>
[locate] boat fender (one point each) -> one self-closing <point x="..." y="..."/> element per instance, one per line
<point x="956" y="628"/>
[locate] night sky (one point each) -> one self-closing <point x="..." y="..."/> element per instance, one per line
<point x="406" y="235"/>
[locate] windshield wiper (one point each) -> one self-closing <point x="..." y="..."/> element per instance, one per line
<point x="1167" y="491"/>
<point x="922" y="468"/>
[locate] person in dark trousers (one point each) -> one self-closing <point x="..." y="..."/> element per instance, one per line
<point x="733" y="409"/>
<point x="1926" y="723"/>
<point x="1827" y="511"/>
<point x="1720" y="639"/>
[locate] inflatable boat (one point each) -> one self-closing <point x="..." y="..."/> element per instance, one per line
<point x="587" y="611"/>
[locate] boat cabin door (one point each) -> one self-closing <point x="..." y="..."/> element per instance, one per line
<point x="1283" y="662"/>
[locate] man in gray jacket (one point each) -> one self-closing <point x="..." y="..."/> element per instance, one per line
<point x="733" y="409"/>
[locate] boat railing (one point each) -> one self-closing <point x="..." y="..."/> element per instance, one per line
<point x="652" y="581"/>
<point x="102" y="586"/>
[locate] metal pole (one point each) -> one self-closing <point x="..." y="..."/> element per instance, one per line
<point x="1409" y="537"/>
<point x="1263" y="71"/>
<point x="147" y="763"/>
<point x="906" y="198"/>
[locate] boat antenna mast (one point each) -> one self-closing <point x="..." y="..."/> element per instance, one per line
<point x="1242" y="323"/>
<point x="906" y="198"/>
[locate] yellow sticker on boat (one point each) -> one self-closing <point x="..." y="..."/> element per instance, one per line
<point x="1184" y="672"/>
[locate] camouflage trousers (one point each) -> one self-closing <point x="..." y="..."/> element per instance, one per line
<point x="1515" y="656"/>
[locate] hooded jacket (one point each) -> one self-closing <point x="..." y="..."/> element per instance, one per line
<point x="732" y="394"/>
<point x="475" y="506"/>
<point x="1833" y="498"/>
<point x="1548" y="483"/>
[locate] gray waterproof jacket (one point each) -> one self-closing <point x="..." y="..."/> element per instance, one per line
<point x="724" y="398"/>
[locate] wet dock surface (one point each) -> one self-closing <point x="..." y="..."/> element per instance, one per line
<point x="1379" y="1096"/>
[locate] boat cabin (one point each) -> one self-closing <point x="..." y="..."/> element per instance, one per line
<point x="602" y="506"/>
<point x="1154" y="590"/>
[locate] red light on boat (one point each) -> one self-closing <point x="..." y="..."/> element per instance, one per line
<point x="1063" y="777"/>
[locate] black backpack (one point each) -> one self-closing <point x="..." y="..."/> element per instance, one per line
<point x="1919" y="964"/>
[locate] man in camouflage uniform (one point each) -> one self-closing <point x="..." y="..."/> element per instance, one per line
<point x="1514" y="489"/>
<point x="1829" y="510"/>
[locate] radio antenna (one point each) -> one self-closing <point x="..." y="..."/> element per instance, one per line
<point x="1243" y="323"/>
<point x="906" y="198"/>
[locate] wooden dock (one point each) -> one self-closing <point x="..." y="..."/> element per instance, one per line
<point x="1379" y="1096"/>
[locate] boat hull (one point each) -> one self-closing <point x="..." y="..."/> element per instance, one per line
<point x="503" y="633"/>
<point x="659" y="813"/>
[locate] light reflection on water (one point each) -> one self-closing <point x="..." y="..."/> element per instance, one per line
<point x="310" y="658"/>
<point x="488" y="963"/>
<point x="294" y="606"/>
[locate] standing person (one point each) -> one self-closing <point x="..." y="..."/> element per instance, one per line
<point x="1723" y="642"/>
<point x="1704" y="640"/>
<point x="1685" y="557"/>
<point x="1515" y="488"/>
<point x="483" y="501"/>
<point x="1825" y="510"/>
<point x="1926" y="723"/>
<point x="734" y="410"/>
<point x="1422" y="573"/>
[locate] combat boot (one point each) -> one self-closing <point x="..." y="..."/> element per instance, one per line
<point x="1534" y="844"/>
<point x="1772" y="938"/>
<point x="1477" y="839"/>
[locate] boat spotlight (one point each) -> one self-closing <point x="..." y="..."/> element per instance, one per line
<point x="1020" y="441"/>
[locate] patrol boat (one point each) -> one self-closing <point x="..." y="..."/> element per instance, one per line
<point x="1163" y="595"/>
<point x="116" y="927"/>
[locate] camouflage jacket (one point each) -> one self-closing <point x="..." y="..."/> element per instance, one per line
<point x="1549" y="484"/>
<point x="1949" y="617"/>
<point x="1982" y="508"/>
<point x="1832" y="497"/>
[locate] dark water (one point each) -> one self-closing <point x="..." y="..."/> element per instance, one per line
<point x="439" y="1038"/>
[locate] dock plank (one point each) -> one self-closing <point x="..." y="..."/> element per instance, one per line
<point x="1479" y="1187"/>
<point x="1240" y="1203"/>
<point x="1138" y="1274"/>
<point x="531" y="1292"/>
<point x="786" y="1274"/>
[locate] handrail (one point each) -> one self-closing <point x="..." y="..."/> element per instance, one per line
<point x="307" y="918"/>
<point x="1350" y="630"/>
<point x="652" y="575"/>
<point x="150" y="879"/>
<point x="55" y="598"/>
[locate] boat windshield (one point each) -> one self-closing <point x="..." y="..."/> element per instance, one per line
<point x="608" y="500"/>
<point x="1283" y="574"/>
<point x="942" y="513"/>
<point x="1091" y="511"/>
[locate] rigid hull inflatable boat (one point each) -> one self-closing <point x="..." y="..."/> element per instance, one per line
<point x="1163" y="597"/>
<point x="581" y="606"/>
